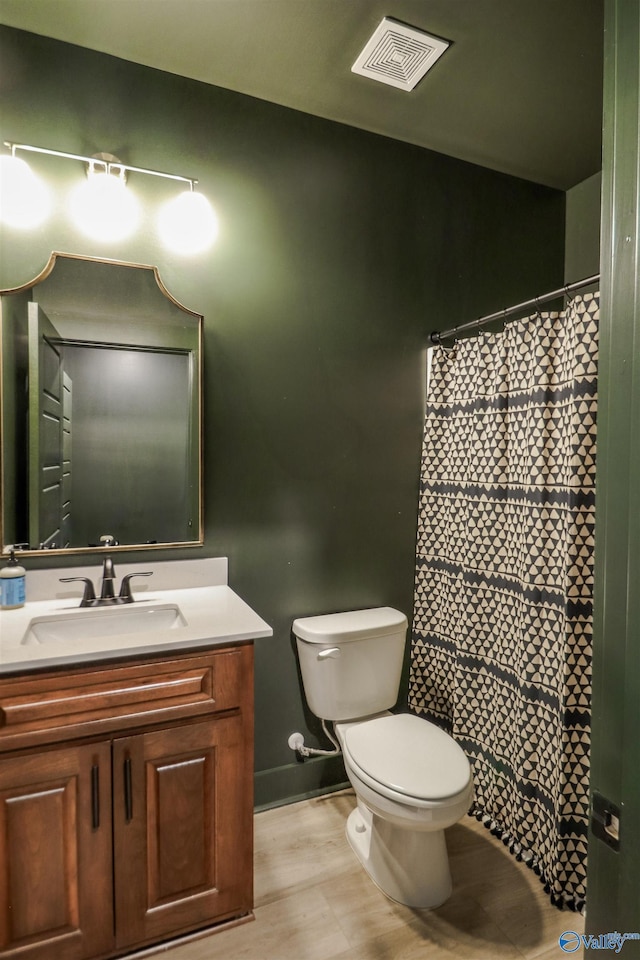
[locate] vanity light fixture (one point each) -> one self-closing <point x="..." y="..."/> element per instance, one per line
<point x="187" y="223"/>
<point x="25" y="201"/>
<point x="103" y="206"/>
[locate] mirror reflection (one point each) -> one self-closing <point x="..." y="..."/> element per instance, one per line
<point x="101" y="386"/>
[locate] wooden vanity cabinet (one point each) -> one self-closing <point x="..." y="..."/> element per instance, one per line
<point x="126" y="804"/>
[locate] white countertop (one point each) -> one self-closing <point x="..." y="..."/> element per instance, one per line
<point x="214" y="615"/>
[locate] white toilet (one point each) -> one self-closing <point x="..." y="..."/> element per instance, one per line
<point x="411" y="779"/>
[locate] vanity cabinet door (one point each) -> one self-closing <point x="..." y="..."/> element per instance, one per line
<point x="183" y="828"/>
<point x="56" y="854"/>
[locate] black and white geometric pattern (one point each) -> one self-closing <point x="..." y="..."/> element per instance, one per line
<point x="501" y="646"/>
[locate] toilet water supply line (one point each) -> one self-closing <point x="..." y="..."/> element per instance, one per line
<point x="296" y="742"/>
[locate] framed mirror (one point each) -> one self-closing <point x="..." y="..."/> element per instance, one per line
<point x="101" y="411"/>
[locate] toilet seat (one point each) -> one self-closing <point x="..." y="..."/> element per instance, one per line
<point x="407" y="758"/>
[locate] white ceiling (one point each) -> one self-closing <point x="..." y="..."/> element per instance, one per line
<point x="519" y="90"/>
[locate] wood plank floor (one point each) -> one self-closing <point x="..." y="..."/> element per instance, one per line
<point x="315" y="902"/>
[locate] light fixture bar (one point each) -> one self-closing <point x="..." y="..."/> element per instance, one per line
<point x="156" y="173"/>
<point x="108" y="164"/>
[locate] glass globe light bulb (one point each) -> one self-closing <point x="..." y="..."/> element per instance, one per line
<point x="25" y="201"/>
<point x="187" y="224"/>
<point x="103" y="208"/>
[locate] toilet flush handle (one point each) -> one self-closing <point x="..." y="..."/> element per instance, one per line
<point x="331" y="654"/>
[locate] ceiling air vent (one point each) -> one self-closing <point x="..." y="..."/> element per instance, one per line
<point x="398" y="55"/>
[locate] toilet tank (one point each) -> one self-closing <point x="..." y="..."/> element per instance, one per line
<point x="351" y="662"/>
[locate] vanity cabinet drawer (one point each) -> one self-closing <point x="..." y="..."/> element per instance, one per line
<point x="85" y="702"/>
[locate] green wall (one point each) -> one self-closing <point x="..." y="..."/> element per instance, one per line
<point x="582" y="235"/>
<point x="339" y="252"/>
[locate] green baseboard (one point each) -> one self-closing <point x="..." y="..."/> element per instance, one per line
<point x="298" y="781"/>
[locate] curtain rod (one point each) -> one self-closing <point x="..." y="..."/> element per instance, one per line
<point x="437" y="337"/>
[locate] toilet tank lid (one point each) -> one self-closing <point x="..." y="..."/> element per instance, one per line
<point x="351" y="625"/>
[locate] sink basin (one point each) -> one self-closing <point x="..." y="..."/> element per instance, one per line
<point x="103" y="622"/>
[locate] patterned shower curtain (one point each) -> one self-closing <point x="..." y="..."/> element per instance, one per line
<point x="501" y="646"/>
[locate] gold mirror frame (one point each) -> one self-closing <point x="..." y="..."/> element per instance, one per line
<point x="65" y="551"/>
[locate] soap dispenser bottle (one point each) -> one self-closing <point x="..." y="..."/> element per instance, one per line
<point x="12" y="584"/>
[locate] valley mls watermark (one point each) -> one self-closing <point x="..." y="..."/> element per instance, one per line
<point x="570" y="941"/>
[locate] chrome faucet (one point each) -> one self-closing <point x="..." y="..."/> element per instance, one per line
<point x="107" y="593"/>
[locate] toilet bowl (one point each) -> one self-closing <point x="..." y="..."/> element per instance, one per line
<point x="411" y="779"/>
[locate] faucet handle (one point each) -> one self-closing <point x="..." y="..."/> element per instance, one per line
<point x="89" y="594"/>
<point x="125" y="595"/>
